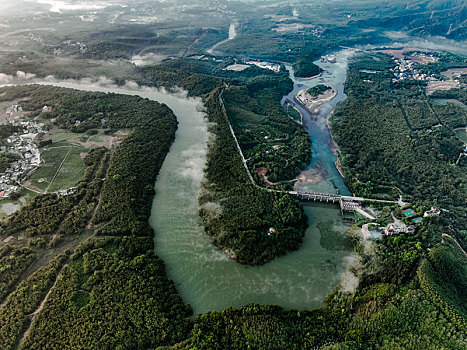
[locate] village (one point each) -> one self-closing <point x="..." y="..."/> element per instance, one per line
<point x="20" y="143"/>
<point x="406" y="67"/>
<point x="238" y="67"/>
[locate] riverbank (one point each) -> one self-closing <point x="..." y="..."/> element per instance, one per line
<point x="322" y="174"/>
<point x="335" y="146"/>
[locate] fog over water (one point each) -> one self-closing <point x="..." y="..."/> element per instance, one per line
<point x="401" y="39"/>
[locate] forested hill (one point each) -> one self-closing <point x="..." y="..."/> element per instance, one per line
<point x="236" y="214"/>
<point x="392" y="135"/>
<point x="111" y="292"/>
<point x="424" y="18"/>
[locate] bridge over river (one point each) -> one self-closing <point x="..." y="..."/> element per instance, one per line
<point x="348" y="204"/>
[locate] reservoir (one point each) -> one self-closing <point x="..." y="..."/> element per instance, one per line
<point x="204" y="276"/>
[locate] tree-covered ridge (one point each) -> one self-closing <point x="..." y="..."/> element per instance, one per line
<point x="318" y="90"/>
<point x="423" y="18"/>
<point x="13" y="262"/>
<point x="409" y="321"/>
<point x="114" y="294"/>
<point x="126" y="198"/>
<point x="251" y="224"/>
<point x="269" y="140"/>
<point x="443" y="278"/>
<point x="22" y="303"/>
<point x="399" y="303"/>
<point x="305" y="68"/>
<point x="390" y="134"/>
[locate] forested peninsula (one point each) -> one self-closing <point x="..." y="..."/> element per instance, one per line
<point x="250" y="224"/>
<point x="91" y="259"/>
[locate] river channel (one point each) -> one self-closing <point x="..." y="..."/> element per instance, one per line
<point x="322" y="175"/>
<point x="232" y="35"/>
<point x="203" y="274"/>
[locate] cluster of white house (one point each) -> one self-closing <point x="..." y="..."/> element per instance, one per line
<point x="406" y="69"/>
<point x="265" y="65"/>
<point x="23" y="145"/>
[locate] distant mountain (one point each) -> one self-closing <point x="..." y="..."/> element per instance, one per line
<point x="421" y="18"/>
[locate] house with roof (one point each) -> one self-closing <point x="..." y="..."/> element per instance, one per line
<point x="432" y="212"/>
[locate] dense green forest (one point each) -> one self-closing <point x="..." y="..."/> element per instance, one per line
<point x="305" y="68"/>
<point x="269" y="140"/>
<point x="20" y="304"/>
<point x="238" y="215"/>
<point x="252" y="100"/>
<point x="391" y="134"/>
<point x="318" y="90"/>
<point x="80" y="272"/>
<point x="13" y="262"/>
<point x="120" y="285"/>
<point x="393" y="306"/>
<point x="411" y="288"/>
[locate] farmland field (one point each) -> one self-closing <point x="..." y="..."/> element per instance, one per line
<point x="58" y="164"/>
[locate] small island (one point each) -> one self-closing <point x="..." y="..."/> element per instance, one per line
<point x="312" y="99"/>
<point x="306" y="69"/>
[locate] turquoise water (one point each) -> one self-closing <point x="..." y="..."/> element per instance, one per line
<point x="322" y="170"/>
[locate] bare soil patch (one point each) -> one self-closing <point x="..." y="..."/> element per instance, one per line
<point x="314" y="104"/>
<point x="440" y="86"/>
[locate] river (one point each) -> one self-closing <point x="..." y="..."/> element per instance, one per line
<point x="232" y="35"/>
<point x="203" y="274"/>
<point x="322" y="175"/>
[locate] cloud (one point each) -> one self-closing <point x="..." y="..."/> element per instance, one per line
<point x="194" y="161"/>
<point x="349" y="281"/>
<point x="213" y="209"/>
<point x="19" y="77"/>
